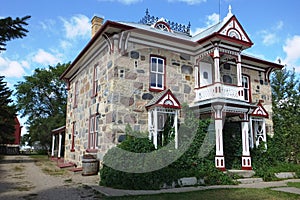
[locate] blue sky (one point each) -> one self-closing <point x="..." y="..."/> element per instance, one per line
<point x="59" y="29"/>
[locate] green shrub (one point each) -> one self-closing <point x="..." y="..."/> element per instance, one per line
<point x="189" y="164"/>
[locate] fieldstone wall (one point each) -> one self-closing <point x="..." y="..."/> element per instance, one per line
<point x="261" y="91"/>
<point x="123" y="91"/>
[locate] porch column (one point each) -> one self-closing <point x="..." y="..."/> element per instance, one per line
<point x="219" y="158"/>
<point x="176" y="129"/>
<point x="59" y="145"/>
<point x="155" y="128"/>
<point x="239" y="71"/>
<point x="150" y="125"/>
<point x="246" y="158"/>
<point x="196" y="76"/>
<point x="217" y="78"/>
<point x="53" y="142"/>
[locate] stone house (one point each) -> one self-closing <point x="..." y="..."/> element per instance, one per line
<point x="141" y="73"/>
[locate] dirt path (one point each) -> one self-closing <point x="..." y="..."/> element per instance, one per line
<point x="21" y="178"/>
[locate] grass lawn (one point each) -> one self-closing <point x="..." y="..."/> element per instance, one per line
<point x="294" y="184"/>
<point x="218" y="194"/>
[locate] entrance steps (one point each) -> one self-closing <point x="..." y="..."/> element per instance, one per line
<point x="241" y="173"/>
<point x="244" y="176"/>
<point x="249" y="180"/>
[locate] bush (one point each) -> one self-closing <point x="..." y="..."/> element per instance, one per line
<point x="189" y="164"/>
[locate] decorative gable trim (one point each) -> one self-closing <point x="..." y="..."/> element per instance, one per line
<point x="234" y="29"/>
<point x="260" y="111"/>
<point x="164" y="99"/>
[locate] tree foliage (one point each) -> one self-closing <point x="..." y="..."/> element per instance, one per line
<point x="12" y="29"/>
<point x="286" y="111"/>
<point x="7" y="114"/>
<point x="42" y="97"/>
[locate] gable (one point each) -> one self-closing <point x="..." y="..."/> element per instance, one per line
<point x="164" y="99"/>
<point x="260" y="111"/>
<point x="233" y="29"/>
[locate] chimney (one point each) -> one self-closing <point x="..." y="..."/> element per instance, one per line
<point x="96" y="24"/>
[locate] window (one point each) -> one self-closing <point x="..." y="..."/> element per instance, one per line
<point x="227" y="79"/>
<point x="157" y="73"/>
<point x="245" y="81"/>
<point x="162" y="26"/>
<point x="93" y="132"/>
<point x="76" y="94"/>
<point x="73" y="136"/>
<point x="121" y="73"/>
<point x="205" y="75"/>
<point x="95" y="81"/>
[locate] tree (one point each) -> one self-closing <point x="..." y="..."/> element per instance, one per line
<point x="12" y="29"/>
<point x="42" y="97"/>
<point x="7" y="114"/>
<point x="286" y="110"/>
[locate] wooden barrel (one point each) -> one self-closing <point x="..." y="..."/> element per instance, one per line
<point x="90" y="165"/>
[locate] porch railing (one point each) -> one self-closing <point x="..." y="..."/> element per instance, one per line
<point x="219" y="90"/>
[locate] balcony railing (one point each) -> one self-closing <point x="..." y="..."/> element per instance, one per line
<point x="219" y="90"/>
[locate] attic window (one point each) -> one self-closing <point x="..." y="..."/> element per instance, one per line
<point x="162" y="26"/>
<point x="234" y="34"/>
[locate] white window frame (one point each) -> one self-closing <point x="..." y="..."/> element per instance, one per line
<point x="157" y="73"/>
<point x="95" y="80"/>
<point x="76" y="94"/>
<point x="93" y="132"/>
<point x="246" y="88"/>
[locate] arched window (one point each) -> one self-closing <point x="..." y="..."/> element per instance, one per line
<point x="227" y="79"/>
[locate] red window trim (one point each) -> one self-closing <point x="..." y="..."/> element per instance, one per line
<point x="249" y="83"/>
<point x="73" y="137"/>
<point x="89" y="149"/>
<point x="164" y="78"/>
<point x="75" y="102"/>
<point x="94" y="93"/>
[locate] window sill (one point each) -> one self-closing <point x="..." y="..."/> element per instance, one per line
<point x="156" y="90"/>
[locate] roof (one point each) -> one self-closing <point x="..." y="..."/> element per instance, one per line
<point x="161" y="100"/>
<point x="219" y="31"/>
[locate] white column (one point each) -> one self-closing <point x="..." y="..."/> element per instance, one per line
<point x="59" y="145"/>
<point x="53" y="143"/>
<point x="239" y="71"/>
<point x="264" y="132"/>
<point x="176" y="129"/>
<point x="246" y="159"/>
<point x="196" y="76"/>
<point x="219" y="158"/>
<point x="155" y="128"/>
<point x="150" y="124"/>
<point x="217" y="65"/>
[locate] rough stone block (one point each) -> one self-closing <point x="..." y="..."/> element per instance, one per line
<point x="187" y="181"/>
<point x="285" y="175"/>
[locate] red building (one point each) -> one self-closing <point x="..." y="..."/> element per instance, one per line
<point x="13" y="147"/>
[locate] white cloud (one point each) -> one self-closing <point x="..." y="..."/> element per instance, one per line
<point x="46" y="58"/>
<point x="65" y="44"/>
<point x="279" y="25"/>
<point x="269" y="38"/>
<point x="190" y="2"/>
<point x="77" y="26"/>
<point x="292" y="50"/>
<point x="12" y="69"/>
<point x="210" y="21"/>
<point x="47" y="24"/>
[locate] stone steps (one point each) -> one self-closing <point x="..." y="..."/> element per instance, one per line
<point x="249" y="180"/>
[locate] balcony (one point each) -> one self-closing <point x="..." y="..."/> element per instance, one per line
<point x="219" y="90"/>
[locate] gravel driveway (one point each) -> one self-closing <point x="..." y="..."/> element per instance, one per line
<point x="20" y="178"/>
